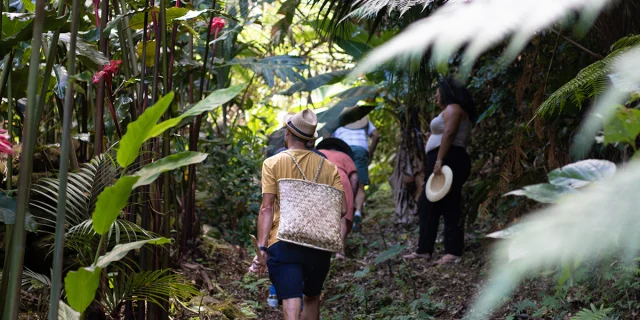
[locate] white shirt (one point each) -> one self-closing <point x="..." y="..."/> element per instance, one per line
<point x="355" y="137"/>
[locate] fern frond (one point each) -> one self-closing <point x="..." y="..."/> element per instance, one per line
<point x="590" y="81"/>
<point x="486" y="23"/>
<point x="593" y="313"/>
<point x="153" y="286"/>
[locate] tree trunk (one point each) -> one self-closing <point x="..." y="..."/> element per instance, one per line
<point x="408" y="176"/>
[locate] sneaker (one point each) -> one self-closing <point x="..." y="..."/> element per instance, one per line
<point x="357" y="223"/>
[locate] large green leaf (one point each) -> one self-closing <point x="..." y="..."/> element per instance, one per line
<point x="334" y="117"/>
<point x="389" y="253"/>
<point x="152" y="171"/>
<point x="120" y="251"/>
<point x="18" y="27"/>
<point x="212" y="101"/>
<point x="316" y="82"/>
<point x="624" y="127"/>
<point x="65" y="312"/>
<point x="28" y="5"/>
<point x="85" y="49"/>
<point x="544" y="192"/>
<point x="110" y="202"/>
<point x="139" y="131"/>
<point x="81" y="287"/>
<point x="581" y="173"/>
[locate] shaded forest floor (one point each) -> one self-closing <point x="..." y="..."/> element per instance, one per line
<point x="376" y="283"/>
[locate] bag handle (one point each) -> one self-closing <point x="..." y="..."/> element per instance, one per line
<point x="315" y="179"/>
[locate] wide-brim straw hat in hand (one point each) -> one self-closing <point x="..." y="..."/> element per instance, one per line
<point x="439" y="185"/>
<point x="303" y="125"/>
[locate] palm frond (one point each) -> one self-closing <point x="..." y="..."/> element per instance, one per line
<point x="478" y="25"/>
<point x="371" y="8"/>
<point x="82" y="239"/>
<point x="153" y="286"/>
<point x="83" y="189"/>
<point x="590" y="81"/>
<point x="33" y="279"/>
<point x="283" y="67"/>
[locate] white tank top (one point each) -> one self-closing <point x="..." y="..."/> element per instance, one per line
<point x="437" y="130"/>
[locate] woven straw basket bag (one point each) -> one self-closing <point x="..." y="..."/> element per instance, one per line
<point x="310" y="212"/>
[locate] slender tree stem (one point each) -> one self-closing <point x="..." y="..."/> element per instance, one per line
<point x="51" y="57"/>
<point x="58" y="257"/>
<point x="12" y="302"/>
<point x="8" y="227"/>
<point x="189" y="215"/>
<point x="104" y="47"/>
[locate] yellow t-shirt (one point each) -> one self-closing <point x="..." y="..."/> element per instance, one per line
<point x="281" y="166"/>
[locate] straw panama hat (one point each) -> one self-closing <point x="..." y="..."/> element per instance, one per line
<point x="303" y="124"/>
<point x="439" y="185"/>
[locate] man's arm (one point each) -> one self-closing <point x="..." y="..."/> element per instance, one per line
<point x="375" y="137"/>
<point x="265" y="219"/>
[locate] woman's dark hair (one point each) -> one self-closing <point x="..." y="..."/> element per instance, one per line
<point x="454" y="92"/>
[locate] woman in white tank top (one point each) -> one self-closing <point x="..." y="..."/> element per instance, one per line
<point x="446" y="145"/>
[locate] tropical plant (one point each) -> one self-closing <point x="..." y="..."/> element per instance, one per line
<point x="590" y="82"/>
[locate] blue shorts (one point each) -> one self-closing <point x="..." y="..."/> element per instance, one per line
<point x="296" y="270"/>
<point x="361" y="160"/>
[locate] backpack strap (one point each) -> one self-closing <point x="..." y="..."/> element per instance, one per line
<point x="315" y="179"/>
<point x="297" y="165"/>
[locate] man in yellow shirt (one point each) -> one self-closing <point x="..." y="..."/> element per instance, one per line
<point x="294" y="270"/>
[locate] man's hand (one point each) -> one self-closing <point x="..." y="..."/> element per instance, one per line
<point x="427" y="136"/>
<point x="259" y="264"/>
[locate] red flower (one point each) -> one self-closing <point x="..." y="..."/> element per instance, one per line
<point x="5" y="144"/>
<point x="216" y="25"/>
<point x="107" y="71"/>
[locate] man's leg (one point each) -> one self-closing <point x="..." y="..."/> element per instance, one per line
<point x="360" y="197"/>
<point x="291" y="308"/>
<point x="311" y="308"/>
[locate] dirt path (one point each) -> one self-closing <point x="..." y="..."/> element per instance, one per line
<point x="360" y="288"/>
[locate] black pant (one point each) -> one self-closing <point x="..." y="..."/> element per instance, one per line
<point x="448" y="207"/>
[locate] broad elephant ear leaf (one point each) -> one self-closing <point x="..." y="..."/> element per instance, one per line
<point x="138" y="131"/>
<point x="81" y="286"/>
<point x="120" y="251"/>
<point x="111" y="202"/>
<point x="212" y="101"/>
<point x="582" y="173"/>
